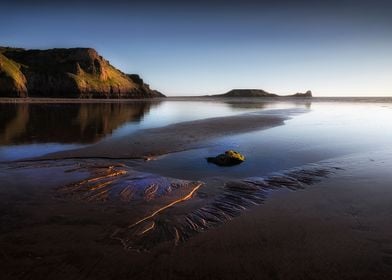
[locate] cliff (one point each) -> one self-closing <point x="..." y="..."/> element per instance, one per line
<point x="75" y="72"/>
<point x="258" y="93"/>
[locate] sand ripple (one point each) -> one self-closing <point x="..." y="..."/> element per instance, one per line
<point x="162" y="207"/>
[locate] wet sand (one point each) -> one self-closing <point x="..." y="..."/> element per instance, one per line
<point x="177" y="137"/>
<point x="339" y="228"/>
<point x="60" y="219"/>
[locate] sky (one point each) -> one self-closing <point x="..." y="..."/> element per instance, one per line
<point x="334" y="48"/>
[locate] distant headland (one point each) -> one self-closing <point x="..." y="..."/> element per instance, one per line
<point x="259" y="93"/>
<point x="73" y="73"/>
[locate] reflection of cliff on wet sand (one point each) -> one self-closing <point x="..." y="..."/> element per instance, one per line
<point x="65" y="123"/>
<point x="13" y="117"/>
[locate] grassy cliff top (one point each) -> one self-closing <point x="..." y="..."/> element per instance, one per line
<point x="12" y="70"/>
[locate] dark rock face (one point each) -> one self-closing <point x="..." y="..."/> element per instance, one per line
<point x="76" y="72"/>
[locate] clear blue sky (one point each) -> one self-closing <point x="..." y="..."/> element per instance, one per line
<point x="334" y="48"/>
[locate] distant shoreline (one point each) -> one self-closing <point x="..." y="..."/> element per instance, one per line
<point x="377" y="99"/>
<point x="74" y="100"/>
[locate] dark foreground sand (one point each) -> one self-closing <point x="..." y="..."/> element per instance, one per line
<point x="340" y="228"/>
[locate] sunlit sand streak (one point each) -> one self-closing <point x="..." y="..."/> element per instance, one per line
<point x="101" y="185"/>
<point x="103" y="194"/>
<point x="127" y="193"/>
<point x="188" y="196"/>
<point x="151" y="191"/>
<point x="177" y="237"/>
<point x="113" y="174"/>
<point x="76" y="186"/>
<point x="148" y="229"/>
<point x="95" y="166"/>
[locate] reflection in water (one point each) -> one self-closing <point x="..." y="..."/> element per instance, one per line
<point x="65" y="123"/>
<point x="31" y="130"/>
<point x="258" y="104"/>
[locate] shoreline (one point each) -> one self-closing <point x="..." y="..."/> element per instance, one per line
<point x="48" y="100"/>
<point x="44" y="100"/>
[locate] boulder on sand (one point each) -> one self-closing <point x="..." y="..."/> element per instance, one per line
<point x="229" y="158"/>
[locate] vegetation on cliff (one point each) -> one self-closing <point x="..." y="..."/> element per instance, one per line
<point x="12" y="80"/>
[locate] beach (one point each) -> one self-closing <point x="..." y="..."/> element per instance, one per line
<point x="308" y="203"/>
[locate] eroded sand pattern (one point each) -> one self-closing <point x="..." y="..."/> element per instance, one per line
<point x="151" y="198"/>
<point x="236" y="197"/>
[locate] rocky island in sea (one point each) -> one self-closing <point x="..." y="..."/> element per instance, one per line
<point x="259" y="93"/>
<point x="73" y="73"/>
